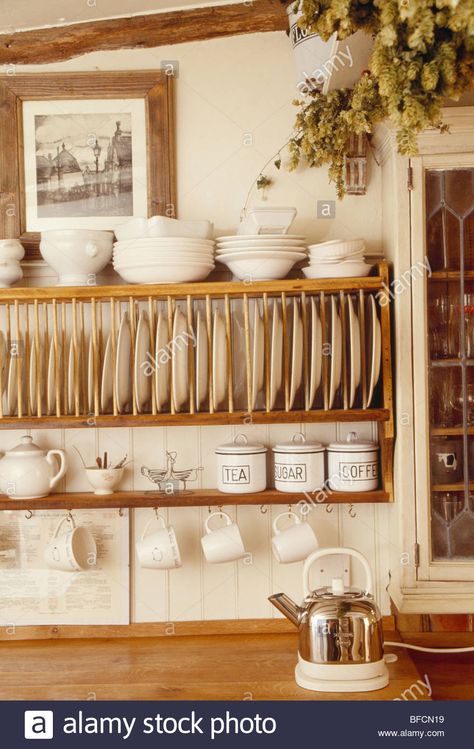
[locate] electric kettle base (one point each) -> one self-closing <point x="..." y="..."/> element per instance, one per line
<point x="307" y="677"/>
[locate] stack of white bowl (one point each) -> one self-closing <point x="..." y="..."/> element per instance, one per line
<point x="260" y="257"/>
<point x="163" y="250"/>
<point x="337" y="258"/>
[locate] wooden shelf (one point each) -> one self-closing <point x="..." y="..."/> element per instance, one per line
<point x="215" y="289"/>
<point x="451" y="275"/>
<point x="199" y="498"/>
<point x="458" y="487"/>
<point x="199" y="418"/>
<point x="450" y="431"/>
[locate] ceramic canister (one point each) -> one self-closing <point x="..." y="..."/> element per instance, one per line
<point x="298" y="465"/>
<point x="353" y="465"/>
<point x="241" y="466"/>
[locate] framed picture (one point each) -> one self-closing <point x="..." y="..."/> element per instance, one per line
<point x="83" y="150"/>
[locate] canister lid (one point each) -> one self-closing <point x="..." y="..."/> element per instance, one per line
<point x="240" y="446"/>
<point x="298" y="444"/>
<point x="353" y="444"/>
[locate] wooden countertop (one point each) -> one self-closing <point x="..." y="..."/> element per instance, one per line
<point x="217" y="667"/>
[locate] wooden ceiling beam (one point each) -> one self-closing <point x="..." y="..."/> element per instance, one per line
<point x="59" y="43"/>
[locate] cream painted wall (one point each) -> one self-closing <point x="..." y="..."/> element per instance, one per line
<point x="227" y="90"/>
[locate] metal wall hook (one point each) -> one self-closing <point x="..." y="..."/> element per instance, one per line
<point x="263" y="509"/>
<point x="352" y="512"/>
<point x="329" y="508"/>
<point x="29" y="514"/>
<point x="69" y="517"/>
<point x="120" y="512"/>
<point x="289" y="511"/>
<point x="156" y="510"/>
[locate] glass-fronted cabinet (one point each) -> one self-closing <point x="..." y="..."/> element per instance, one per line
<point x="449" y="241"/>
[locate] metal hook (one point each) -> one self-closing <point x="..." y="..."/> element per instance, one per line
<point x="209" y="509"/>
<point x="263" y="509"/>
<point x="352" y="512"/>
<point x="28" y="514"/>
<point x="120" y="512"/>
<point x="329" y="508"/>
<point x="69" y="517"/>
<point x="289" y="511"/>
<point x="156" y="510"/>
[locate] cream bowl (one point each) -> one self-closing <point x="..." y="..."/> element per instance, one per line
<point x="77" y="255"/>
<point x="11" y="249"/>
<point x="260" y="267"/>
<point x="104" y="480"/>
<point x="338" y="270"/>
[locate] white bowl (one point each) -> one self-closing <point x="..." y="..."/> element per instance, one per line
<point x="264" y="219"/>
<point x="165" y="242"/>
<point x="104" y="480"/>
<point x="251" y="249"/>
<point x="338" y="270"/>
<point x="162" y="226"/>
<point x="11" y="249"/>
<point x="337" y="248"/>
<point x="262" y="255"/>
<point x="358" y="257"/>
<point x="261" y="268"/>
<point x="159" y="273"/>
<point x="261" y="238"/>
<point x="76" y="255"/>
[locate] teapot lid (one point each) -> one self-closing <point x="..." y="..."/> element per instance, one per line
<point x="26" y="447"/>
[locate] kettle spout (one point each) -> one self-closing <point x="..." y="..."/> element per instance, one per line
<point x="283" y="603"/>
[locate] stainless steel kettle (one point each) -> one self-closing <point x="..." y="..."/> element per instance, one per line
<point x="336" y="625"/>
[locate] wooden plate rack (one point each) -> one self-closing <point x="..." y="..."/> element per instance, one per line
<point x="64" y="319"/>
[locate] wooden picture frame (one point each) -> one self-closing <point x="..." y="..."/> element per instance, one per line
<point x="154" y="87"/>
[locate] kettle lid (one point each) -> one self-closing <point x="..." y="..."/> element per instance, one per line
<point x="26" y="447"/>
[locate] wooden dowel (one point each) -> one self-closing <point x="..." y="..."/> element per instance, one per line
<point x="132" y="313"/>
<point x="151" y="348"/>
<point x="191" y="351"/>
<point x="248" y="354"/>
<point x="230" y="355"/>
<point x="363" y="348"/>
<point x="39" y="357"/>
<point x="210" y="353"/>
<point x="345" y="344"/>
<point x="325" y="348"/>
<point x="19" y="352"/>
<point x="113" y="341"/>
<point x="304" y="320"/>
<point x="56" y="358"/>
<point x="170" y="308"/>
<point x="26" y="368"/>
<point x="75" y="348"/>
<point x="95" y="357"/>
<point x="266" y="339"/>
<point x="83" y="358"/>
<point x="63" y="371"/>
<point x="286" y="359"/>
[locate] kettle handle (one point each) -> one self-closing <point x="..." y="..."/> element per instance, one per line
<point x="336" y="550"/>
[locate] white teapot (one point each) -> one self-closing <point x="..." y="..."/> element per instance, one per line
<point x="27" y="471"/>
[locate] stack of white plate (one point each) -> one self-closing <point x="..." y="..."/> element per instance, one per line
<point x="337" y="258"/>
<point x="164" y="259"/>
<point x="260" y="257"/>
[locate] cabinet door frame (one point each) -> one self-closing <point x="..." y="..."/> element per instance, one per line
<point x="428" y="570"/>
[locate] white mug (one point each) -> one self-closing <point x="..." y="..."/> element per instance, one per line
<point x="72" y="551"/>
<point x="223" y="544"/>
<point x="158" y="550"/>
<point x="295" y="543"/>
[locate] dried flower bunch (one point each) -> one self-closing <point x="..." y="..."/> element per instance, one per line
<point x="423" y="52"/>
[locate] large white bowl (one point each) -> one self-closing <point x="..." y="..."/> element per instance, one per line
<point x="159" y="273"/>
<point x="336" y="248"/>
<point x="76" y="255"/>
<point x="260" y="268"/>
<point x="262" y="255"/>
<point x="165" y="242"/>
<point x="338" y="270"/>
<point x="261" y="238"/>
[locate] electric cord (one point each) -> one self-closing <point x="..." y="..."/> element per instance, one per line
<point x="429" y="650"/>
